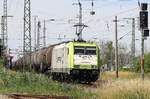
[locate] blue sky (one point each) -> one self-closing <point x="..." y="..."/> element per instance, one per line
<point x="65" y="13"/>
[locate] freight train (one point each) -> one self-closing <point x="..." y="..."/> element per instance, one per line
<point x="75" y="60"/>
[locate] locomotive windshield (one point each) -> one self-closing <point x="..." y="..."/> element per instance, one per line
<point x="81" y="50"/>
<point x="90" y="50"/>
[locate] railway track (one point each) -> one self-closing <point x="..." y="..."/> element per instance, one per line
<point x="17" y="96"/>
<point x="92" y="87"/>
<point x="96" y="84"/>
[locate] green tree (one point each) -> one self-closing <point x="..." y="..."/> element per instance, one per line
<point x="137" y="61"/>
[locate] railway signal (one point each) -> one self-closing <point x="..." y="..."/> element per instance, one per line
<point x="143" y="19"/>
<point x="144" y="33"/>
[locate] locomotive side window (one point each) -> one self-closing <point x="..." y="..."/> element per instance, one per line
<point x="90" y="51"/>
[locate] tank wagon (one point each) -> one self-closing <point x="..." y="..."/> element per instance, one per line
<point x="76" y="60"/>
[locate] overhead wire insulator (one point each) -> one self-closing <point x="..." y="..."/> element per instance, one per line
<point x="92" y="12"/>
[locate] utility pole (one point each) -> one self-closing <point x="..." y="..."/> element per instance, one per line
<point x="4" y="24"/>
<point x="111" y="52"/>
<point x="38" y="35"/>
<point x="4" y="34"/>
<point x="4" y="29"/>
<point x="116" y="44"/>
<point x="27" y="30"/>
<point x="80" y="21"/>
<point x="44" y="34"/>
<point x="142" y="55"/>
<point x="35" y="31"/>
<point x="133" y="39"/>
<point x="44" y="31"/>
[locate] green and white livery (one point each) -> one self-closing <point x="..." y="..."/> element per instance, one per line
<point x="80" y="60"/>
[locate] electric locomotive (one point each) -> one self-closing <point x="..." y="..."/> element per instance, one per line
<point x="76" y="60"/>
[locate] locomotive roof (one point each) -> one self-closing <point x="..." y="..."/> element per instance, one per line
<point x="72" y="42"/>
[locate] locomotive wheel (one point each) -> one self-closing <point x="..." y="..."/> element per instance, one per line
<point x="53" y="76"/>
<point x="65" y="77"/>
<point x="59" y="77"/>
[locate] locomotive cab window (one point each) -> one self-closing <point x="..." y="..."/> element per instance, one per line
<point x="79" y="50"/>
<point x="90" y="51"/>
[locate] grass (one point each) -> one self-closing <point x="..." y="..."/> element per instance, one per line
<point x="122" y="75"/>
<point x="128" y="86"/>
<point x="12" y="82"/>
<point x="125" y="89"/>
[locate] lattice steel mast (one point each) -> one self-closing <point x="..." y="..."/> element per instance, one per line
<point x="80" y="26"/>
<point x="4" y="25"/>
<point x="27" y="29"/>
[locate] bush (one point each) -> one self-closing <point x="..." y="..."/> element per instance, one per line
<point x="137" y="63"/>
<point x="37" y="84"/>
